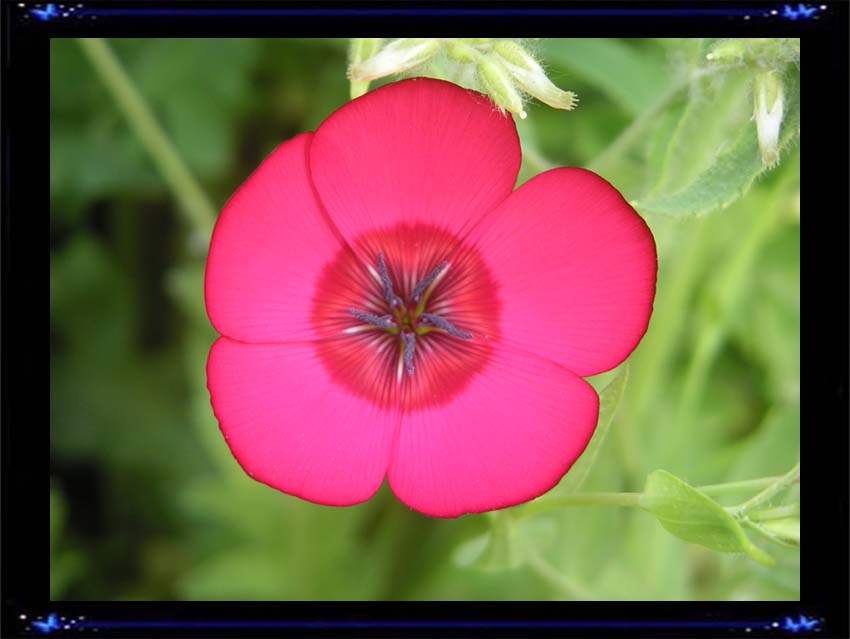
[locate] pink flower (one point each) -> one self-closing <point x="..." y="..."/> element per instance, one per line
<point x="390" y="307"/>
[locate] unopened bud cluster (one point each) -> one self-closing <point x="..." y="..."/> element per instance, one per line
<point x="765" y="53"/>
<point x="769" y="58"/>
<point x="503" y="69"/>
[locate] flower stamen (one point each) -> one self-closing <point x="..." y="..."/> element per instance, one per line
<point x="383" y="321"/>
<point x="419" y="289"/>
<point x="392" y="299"/>
<point x="409" y="339"/>
<point x="443" y="323"/>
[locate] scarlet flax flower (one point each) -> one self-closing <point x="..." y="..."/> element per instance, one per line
<point x="390" y="307"/>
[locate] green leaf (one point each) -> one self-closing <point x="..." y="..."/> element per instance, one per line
<point x="626" y="74"/>
<point x="733" y="171"/>
<point x="609" y="400"/>
<point x="716" y="113"/>
<point x="691" y="515"/>
<point x="494" y="551"/>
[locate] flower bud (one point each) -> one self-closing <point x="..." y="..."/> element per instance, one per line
<point x="514" y="54"/>
<point x="364" y="48"/>
<point x="530" y="77"/>
<point x="762" y="53"/>
<point x="460" y="52"/>
<point x="497" y="82"/>
<point x="727" y="52"/>
<point x="361" y="50"/>
<point x="768" y="109"/>
<point x="398" y="56"/>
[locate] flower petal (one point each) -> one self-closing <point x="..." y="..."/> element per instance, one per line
<point x="292" y="427"/>
<point x="415" y="151"/>
<point x="267" y="251"/>
<point x="576" y="268"/>
<point x="508" y="437"/>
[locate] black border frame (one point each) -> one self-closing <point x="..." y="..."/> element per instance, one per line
<point x="25" y="100"/>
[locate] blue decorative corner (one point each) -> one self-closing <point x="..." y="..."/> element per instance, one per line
<point x="803" y="12"/>
<point x="48" y="13"/>
<point x="52" y="623"/>
<point x="51" y="11"/>
<point x="801" y="624"/>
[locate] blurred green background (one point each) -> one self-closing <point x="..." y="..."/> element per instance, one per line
<point x="146" y="501"/>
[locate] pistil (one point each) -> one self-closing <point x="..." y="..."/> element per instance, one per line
<point x="409" y="340"/>
<point x="407" y="320"/>
<point x="419" y="289"/>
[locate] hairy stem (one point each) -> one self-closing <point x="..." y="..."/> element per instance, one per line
<point x="778" y="512"/>
<point x="578" y="499"/>
<point x="715" y="490"/>
<point x="769" y="492"/>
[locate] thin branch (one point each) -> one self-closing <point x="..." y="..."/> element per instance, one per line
<point x="192" y="200"/>
<point x="768" y="493"/>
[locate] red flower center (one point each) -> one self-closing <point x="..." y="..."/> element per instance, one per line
<point x="409" y="322"/>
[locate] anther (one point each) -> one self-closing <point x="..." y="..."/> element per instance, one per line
<point x="419" y="289"/>
<point x="392" y="299"/>
<point x="409" y="350"/>
<point x="446" y="325"/>
<point x="385" y="321"/>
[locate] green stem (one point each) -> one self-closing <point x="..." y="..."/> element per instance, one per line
<point x="779" y="512"/>
<point x="770" y="486"/>
<point x="192" y="200"/>
<point x="715" y="490"/>
<point x="578" y="499"/>
<point x="769" y="492"/>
